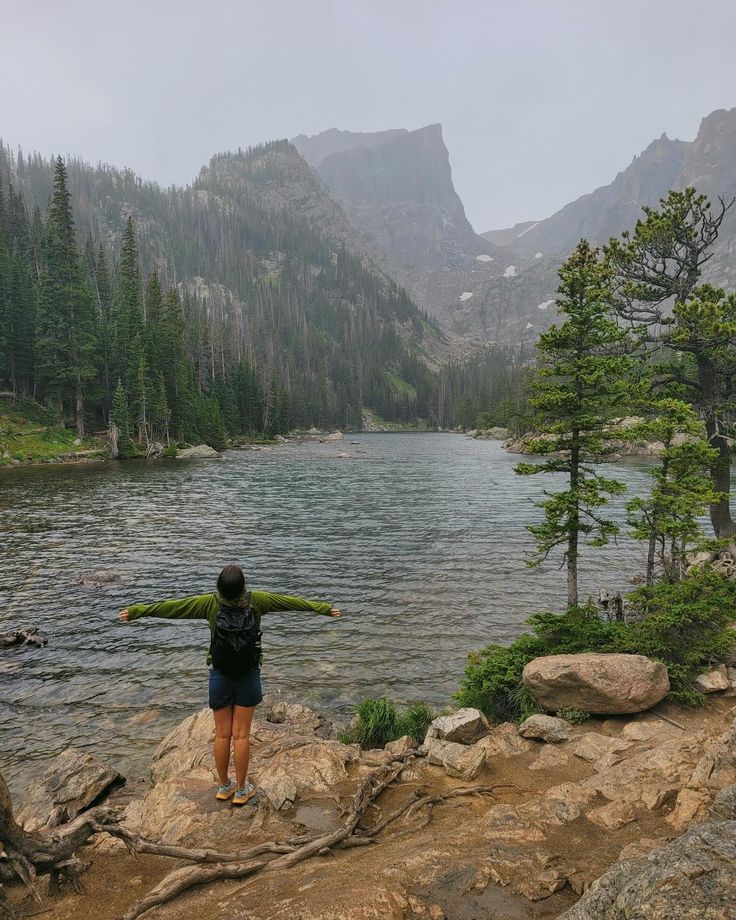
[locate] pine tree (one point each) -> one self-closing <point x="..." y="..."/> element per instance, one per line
<point x="668" y="518"/>
<point x="127" y="310"/>
<point x="106" y="330"/>
<point x="662" y="261"/>
<point x="66" y="337"/>
<point x="581" y="388"/>
<point x="120" y="424"/>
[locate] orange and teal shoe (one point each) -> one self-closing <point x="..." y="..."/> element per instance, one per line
<point x="244" y="795"/>
<point x="225" y="792"/>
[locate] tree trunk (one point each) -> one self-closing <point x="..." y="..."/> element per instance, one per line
<point x="720" y="471"/>
<point x="574" y="530"/>
<point x="114" y="443"/>
<point x="79" y="408"/>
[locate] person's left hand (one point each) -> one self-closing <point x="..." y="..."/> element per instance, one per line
<point x="335" y="612"/>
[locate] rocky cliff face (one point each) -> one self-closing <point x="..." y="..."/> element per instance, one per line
<point x="396" y="188"/>
<point x="708" y="163"/>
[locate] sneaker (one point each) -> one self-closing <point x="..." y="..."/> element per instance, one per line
<point x="225" y="792"/>
<point x="244" y="795"/>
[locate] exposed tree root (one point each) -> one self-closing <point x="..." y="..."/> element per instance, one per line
<point x="349" y="834"/>
<point x="32" y="853"/>
<point x="52" y="852"/>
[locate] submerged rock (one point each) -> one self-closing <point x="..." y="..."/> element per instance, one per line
<point x="599" y="683"/>
<point x="98" y="579"/>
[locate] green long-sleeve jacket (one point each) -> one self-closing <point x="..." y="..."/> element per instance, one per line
<point x="205" y="607"/>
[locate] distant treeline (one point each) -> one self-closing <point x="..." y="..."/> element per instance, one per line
<point x="106" y="331"/>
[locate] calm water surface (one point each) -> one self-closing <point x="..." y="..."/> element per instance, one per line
<point x="420" y="539"/>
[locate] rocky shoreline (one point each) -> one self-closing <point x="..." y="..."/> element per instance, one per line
<point x="499" y="822"/>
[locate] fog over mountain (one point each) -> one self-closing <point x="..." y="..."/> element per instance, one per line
<point x="397" y="189"/>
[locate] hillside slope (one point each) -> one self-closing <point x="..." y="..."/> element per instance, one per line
<point x="273" y="272"/>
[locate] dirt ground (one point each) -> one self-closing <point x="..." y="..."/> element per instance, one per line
<point x="420" y="857"/>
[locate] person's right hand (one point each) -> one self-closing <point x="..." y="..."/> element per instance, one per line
<point x="124" y="615"/>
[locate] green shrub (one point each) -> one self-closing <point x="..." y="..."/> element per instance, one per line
<point x="415" y="721"/>
<point x="573" y="716"/>
<point x="378" y="721"/>
<point x="683" y="625"/>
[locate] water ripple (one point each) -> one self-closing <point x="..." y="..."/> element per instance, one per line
<point x="419" y="538"/>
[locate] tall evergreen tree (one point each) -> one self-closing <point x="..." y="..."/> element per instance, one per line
<point x="661" y="262"/>
<point x="66" y="327"/>
<point x="581" y="388"/>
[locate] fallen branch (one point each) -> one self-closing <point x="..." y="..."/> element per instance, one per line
<point x="178" y="881"/>
<point x="671" y="721"/>
<point x="418" y="801"/>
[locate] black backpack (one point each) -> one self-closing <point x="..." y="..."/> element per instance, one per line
<point x="236" y="643"/>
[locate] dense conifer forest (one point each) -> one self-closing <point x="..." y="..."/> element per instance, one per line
<point x="218" y="310"/>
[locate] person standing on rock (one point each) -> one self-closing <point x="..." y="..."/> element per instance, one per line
<point x="234" y="616"/>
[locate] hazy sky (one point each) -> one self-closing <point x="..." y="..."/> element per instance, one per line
<point x="540" y="100"/>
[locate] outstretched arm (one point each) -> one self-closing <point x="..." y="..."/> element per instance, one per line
<point x="265" y="602"/>
<point x="195" y="607"/>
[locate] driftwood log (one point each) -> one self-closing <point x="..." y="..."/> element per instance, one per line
<point x="20" y="637"/>
<point x="28" y="854"/>
<point x="34" y="853"/>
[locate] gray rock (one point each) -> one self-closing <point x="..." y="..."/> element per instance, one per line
<point x="466" y="726"/>
<point x="713" y="681"/>
<point x="599" y="683"/>
<point x="724" y="805"/>
<point x="691" y="877"/>
<point x="545" y="728"/>
<point x="335" y="436"/>
<point x="200" y="452"/>
<point x="461" y="761"/>
<point x="400" y="746"/>
<point x="72" y="782"/>
<point x="98" y="579"/>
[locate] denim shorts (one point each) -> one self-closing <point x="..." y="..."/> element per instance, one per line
<point x="234" y="691"/>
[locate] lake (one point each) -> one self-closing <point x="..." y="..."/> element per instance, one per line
<point x="419" y="538"/>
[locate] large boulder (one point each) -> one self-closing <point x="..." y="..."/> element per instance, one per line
<point x="200" y="452"/>
<point x="600" y="683"/>
<point x="290" y="760"/>
<point x="545" y="728"/>
<point x="466" y="726"/>
<point x="72" y="782"/>
<point x="691" y="877"/>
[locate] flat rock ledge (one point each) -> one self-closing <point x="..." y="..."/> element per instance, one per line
<point x="694" y="876"/>
<point x="529" y="822"/>
<point x="600" y="683"/>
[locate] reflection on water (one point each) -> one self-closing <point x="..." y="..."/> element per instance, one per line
<point x="420" y="540"/>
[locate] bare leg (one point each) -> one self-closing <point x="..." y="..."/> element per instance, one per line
<point x="242" y="717"/>
<point x="223" y="733"/>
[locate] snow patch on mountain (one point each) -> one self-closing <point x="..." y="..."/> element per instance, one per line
<point x="466" y="295"/>
<point x="527" y="230"/>
<point x="510" y="271"/>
